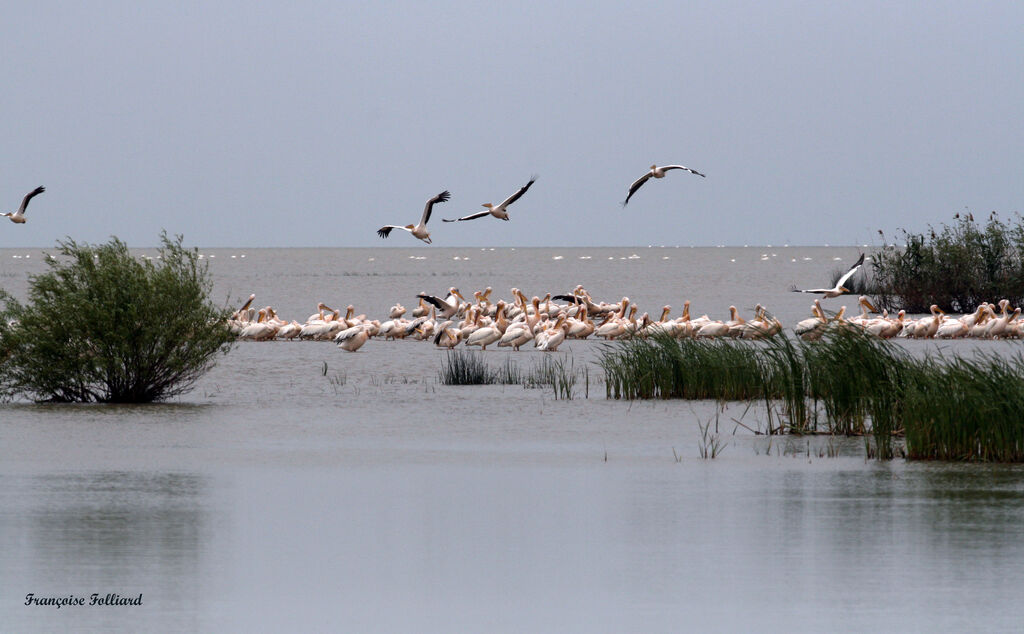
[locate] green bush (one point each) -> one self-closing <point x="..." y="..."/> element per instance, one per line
<point x="103" y="326"/>
<point x="957" y="267"/>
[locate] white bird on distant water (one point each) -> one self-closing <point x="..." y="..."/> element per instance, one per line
<point x="19" y="216"/>
<point x="420" y="230"/>
<point x="498" y="211"/>
<point x="656" y="172"/>
<point x="838" y="289"/>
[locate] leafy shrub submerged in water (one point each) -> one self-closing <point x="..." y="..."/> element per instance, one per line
<point x="103" y="326"/>
<point x="957" y="267"/>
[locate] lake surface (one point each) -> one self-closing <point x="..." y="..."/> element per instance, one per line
<point x="275" y="497"/>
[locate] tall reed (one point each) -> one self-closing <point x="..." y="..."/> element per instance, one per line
<point x="465" y="367"/>
<point x="847" y="383"/>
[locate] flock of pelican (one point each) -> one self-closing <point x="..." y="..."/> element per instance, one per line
<point x="500" y="211"/>
<point x="544" y="323"/>
<point x="419" y="230"/>
<point x="989" y="321"/>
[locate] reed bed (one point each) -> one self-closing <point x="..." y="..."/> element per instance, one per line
<point x="464" y="367"/>
<point x="848" y="383"/>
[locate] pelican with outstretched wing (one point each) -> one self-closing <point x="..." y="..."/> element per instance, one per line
<point x="19" y="216"/>
<point x="420" y="230"/>
<point x="498" y="211"/>
<point x="656" y="172"/>
<point x="838" y="289"/>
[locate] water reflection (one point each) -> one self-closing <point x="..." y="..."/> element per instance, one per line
<point x="124" y="532"/>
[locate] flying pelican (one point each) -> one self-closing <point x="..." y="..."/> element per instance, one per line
<point x="420" y="230"/>
<point x="656" y="172"/>
<point x="838" y="289"/>
<point x="498" y="211"/>
<point x="19" y="216"/>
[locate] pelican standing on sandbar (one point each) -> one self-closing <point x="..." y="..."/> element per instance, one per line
<point x="498" y="211"/>
<point x="19" y="216"/>
<point x="420" y="230"/>
<point x="656" y="172"/>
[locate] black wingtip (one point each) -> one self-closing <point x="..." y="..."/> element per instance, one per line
<point x="444" y="196"/>
<point x="384" y="232"/>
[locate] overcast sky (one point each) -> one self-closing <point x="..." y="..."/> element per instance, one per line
<point x="312" y="124"/>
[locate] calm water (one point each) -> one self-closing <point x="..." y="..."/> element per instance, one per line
<point x="274" y="498"/>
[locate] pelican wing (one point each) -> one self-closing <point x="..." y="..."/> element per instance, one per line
<point x="812" y="290"/>
<point x="385" y="231"/>
<point x="480" y="214"/>
<point x="440" y="198"/>
<point x="414" y="324"/>
<point x="635" y="186"/>
<point x="522" y="190"/>
<point x="681" y="167"/>
<point x="853" y="269"/>
<point x="28" y="197"/>
<point x="437" y="302"/>
<point x="348" y="333"/>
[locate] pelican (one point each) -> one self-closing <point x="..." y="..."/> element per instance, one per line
<point x="812" y="328"/>
<point x="838" y="289"/>
<point x="517" y="334"/>
<point x="352" y="339"/>
<point x="448" y="336"/>
<point x="656" y="172"/>
<point x="422" y="309"/>
<point x="550" y="339"/>
<point x="243" y="313"/>
<point x="446" y="307"/>
<point x="19" y="216"/>
<point x="420" y="230"/>
<point x="498" y="211"/>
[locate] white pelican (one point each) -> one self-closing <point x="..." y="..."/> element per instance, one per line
<point x="656" y="172"/>
<point x="812" y="328"/>
<point x="550" y="339"/>
<point x="838" y="289"/>
<point x="244" y="313"/>
<point x="446" y="307"/>
<point x="420" y="230"/>
<point x="259" y="330"/>
<point x="516" y="335"/>
<point x="498" y="211"/>
<point x="484" y="336"/>
<point x="448" y="336"/>
<point x="421" y="309"/>
<point x="19" y="216"/>
<point x="352" y="339"/>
